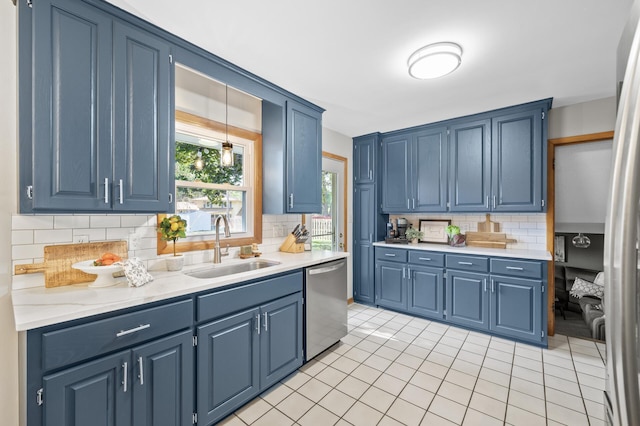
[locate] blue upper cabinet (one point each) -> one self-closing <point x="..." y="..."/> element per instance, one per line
<point x="414" y="171"/>
<point x="100" y="113"/>
<point x="516" y="145"/>
<point x="364" y="170"/>
<point x="470" y="166"/>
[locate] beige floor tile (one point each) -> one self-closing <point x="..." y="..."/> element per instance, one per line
<point x="471" y="357"/>
<point x="502" y="346"/>
<point x="368" y="346"/>
<point x="526" y="374"/>
<point x="411" y="329"/>
<point x="406" y="412"/>
<point x="352" y="339"/>
<point x="388" y="353"/>
<point x="317" y="415"/>
<point x="469" y="347"/>
<point x="461" y="379"/>
<point x="337" y="402"/>
<point x="366" y="373"/>
<point x="398" y="345"/>
<point x="426" y="381"/>
<point x="492" y="390"/>
<point x="466" y="367"/>
<point x="591" y="370"/>
<point x="352" y="387"/>
<point x="314" y="389"/>
<point x="253" y="410"/>
<point x="388" y="421"/>
<point x="478" y="339"/>
<point x="591" y="394"/>
<point x="565" y="400"/>
<point x="527" y="402"/>
<point x="362" y="415"/>
<point x="417" y="396"/>
<point x="530" y="352"/>
<point x="528" y="363"/>
<point x="276" y="394"/>
<point x="331" y="376"/>
<point x="519" y="417"/>
<point x="592" y="381"/>
<point x="564" y="373"/>
<point x="499" y="355"/>
<point x="455" y="393"/>
<point x="313" y="367"/>
<point x="448" y="409"/>
<point x="357" y="354"/>
<point x="476" y="418"/>
<point x="295" y="406"/>
<point x="378" y="399"/>
<point x="377" y="362"/>
<point x="390" y="384"/>
<point x="400" y="371"/>
<point x="295" y="380"/>
<point x="497" y="365"/>
<point x="379" y="337"/>
<point x="409" y="360"/>
<point x="441" y="348"/>
<point x="487" y="405"/>
<point x="344" y="364"/>
<point x="418" y="351"/>
<point x="434" y="369"/>
<point x="562" y="385"/>
<point x="565" y="415"/>
<point x="595" y="410"/>
<point x="559" y="361"/>
<point x="273" y="417"/>
<point x="527" y="387"/>
<point x="232" y="420"/>
<point x="404" y="337"/>
<point x="327" y="357"/>
<point x="495" y="376"/>
<point x="431" y="419"/>
<point x="594" y="421"/>
<point x="424" y="343"/>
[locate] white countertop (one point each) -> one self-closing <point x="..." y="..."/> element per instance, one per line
<point x="36" y="306"/>
<point x="515" y="253"/>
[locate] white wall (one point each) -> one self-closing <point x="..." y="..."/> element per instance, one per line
<point x="583" y="118"/>
<point x="9" y="353"/>
<point x="339" y="144"/>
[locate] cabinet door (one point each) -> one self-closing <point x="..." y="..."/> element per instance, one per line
<point x="426" y="292"/>
<point x="516" y="308"/>
<point x="470" y="166"/>
<point x="142" y="117"/>
<point x="517" y="161"/>
<point x="391" y="287"/>
<point x="363" y="232"/>
<point x="364" y="158"/>
<point x="468" y="299"/>
<point x="396" y="184"/>
<point x="280" y="339"/>
<point x="163" y="382"/>
<point x="429" y="170"/>
<point x="71" y="107"/>
<point x="228" y="365"/>
<point x="93" y="393"/>
<point x="304" y="159"/>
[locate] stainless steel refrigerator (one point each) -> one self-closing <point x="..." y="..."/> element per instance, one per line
<point x="622" y="233"/>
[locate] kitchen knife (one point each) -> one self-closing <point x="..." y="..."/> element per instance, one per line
<point x="295" y="230"/>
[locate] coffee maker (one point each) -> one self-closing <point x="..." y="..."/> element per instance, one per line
<point x="401" y="226"/>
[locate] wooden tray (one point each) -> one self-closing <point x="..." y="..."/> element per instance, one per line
<point x="488" y="225"/>
<point x="488" y="239"/>
<point x="59" y="258"/>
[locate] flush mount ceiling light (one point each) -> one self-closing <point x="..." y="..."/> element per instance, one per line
<point x="435" y="60"/>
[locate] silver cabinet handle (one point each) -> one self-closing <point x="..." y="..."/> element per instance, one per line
<point x="390" y="254"/>
<point x="121" y="191"/>
<point x="316" y="271"/>
<point x="266" y="321"/>
<point x="408" y="204"/>
<point x="291" y="200"/>
<point x="485" y="284"/>
<point x="409" y="273"/>
<point x="132" y="330"/>
<point x="106" y="190"/>
<point x="140" y="370"/>
<point x="414" y="203"/>
<point x="370" y="174"/>
<point x="258" y="323"/>
<point x="424" y="258"/>
<point x="486" y="202"/>
<point x="125" y="373"/>
<point x="515" y="268"/>
<point x="465" y="263"/>
<point x="403" y="273"/>
<point x="370" y="238"/>
<point x="493" y="286"/>
<point x="494" y="201"/>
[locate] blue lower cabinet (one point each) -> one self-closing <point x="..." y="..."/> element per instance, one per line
<point x="468" y="299"/>
<point x="391" y="286"/>
<point x="93" y="393"/>
<point x="425" y="288"/>
<point x="516" y="308"/>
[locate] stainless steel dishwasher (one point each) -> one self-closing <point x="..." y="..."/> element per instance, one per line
<point x="325" y="306"/>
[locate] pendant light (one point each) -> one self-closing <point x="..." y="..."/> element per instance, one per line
<point x="226" y="155"/>
<point x="199" y="163"/>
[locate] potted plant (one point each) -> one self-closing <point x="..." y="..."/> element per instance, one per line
<point x="456" y="239"/>
<point x="414" y="235"/>
<point x="171" y="228"/>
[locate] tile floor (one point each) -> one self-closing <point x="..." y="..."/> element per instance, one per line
<point x="394" y="369"/>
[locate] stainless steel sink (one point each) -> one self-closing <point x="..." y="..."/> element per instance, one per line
<point x="236" y="268"/>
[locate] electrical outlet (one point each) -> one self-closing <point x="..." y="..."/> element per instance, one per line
<point x="134" y="241"/>
<point x="80" y="238"/>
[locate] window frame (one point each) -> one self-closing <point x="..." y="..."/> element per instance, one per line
<point x="255" y="183"/>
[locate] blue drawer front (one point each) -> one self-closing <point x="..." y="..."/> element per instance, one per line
<point x="468" y="263"/>
<point x="517" y="268"/>
<point x="391" y="254"/>
<point x="426" y="258"/>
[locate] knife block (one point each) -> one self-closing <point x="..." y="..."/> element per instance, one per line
<point x="290" y="246"/>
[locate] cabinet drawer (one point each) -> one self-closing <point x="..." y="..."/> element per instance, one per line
<point x="391" y="254"/>
<point x="468" y="263"/>
<point x="426" y="258"/>
<point x="72" y="344"/>
<point x="516" y="268"/>
<point x="221" y="303"/>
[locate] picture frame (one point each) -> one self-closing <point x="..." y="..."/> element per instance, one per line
<point x="560" y="253"/>
<point x="434" y="230"/>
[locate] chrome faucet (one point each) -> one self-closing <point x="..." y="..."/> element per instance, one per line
<point x="216" y="249"/>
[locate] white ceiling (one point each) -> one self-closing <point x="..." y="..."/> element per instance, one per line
<point x="349" y="56"/>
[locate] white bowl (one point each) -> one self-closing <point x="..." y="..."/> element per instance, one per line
<point x="105" y="273"/>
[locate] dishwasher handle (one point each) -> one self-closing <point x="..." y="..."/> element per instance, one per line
<point x="315" y="271"/>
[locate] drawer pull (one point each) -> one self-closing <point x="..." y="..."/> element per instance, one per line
<point x="424" y="258"/>
<point x="390" y="254"/>
<point x="515" y="268"/>
<point x="133" y="330"/>
<point x="465" y="263"/>
<point x="140" y="370"/>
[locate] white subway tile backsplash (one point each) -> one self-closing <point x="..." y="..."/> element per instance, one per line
<point x="119" y="233"/>
<point x="72" y="221"/>
<point x="104" y="221"/>
<point x="95" y="234"/>
<point x="53" y="236"/>
<point x="27" y="251"/>
<point x="31" y="222"/>
<point x="135" y="221"/>
<point x="22" y="237"/>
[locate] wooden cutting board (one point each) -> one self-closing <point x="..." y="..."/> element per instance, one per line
<point x="59" y="258"/>
<point x="488" y="239"/>
<point x="488" y="225"/>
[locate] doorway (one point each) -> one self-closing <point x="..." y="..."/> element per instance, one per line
<point x="328" y="228"/>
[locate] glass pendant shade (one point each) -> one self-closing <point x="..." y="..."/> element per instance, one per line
<point x="226" y="155"/>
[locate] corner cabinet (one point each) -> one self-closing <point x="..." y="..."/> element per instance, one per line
<point x="95" y="112"/>
<point x="292" y="158"/>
